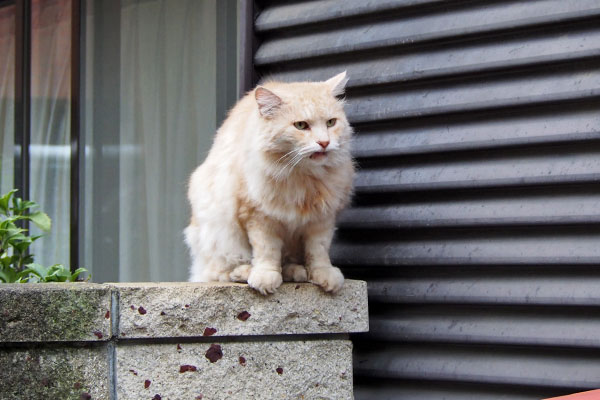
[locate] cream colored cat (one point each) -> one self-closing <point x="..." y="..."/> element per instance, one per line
<point x="267" y="195"/>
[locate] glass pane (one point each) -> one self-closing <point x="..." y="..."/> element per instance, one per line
<point x="7" y="97"/>
<point x="50" y="124"/>
<point x="151" y="112"/>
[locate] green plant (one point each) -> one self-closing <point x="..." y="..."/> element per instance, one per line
<point x="16" y="263"/>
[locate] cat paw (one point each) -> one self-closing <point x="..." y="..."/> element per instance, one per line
<point x="240" y="273"/>
<point x="294" y="273"/>
<point x="265" y="281"/>
<point x="329" y="278"/>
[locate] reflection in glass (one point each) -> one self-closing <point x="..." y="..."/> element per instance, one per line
<point x="50" y="124"/>
<point x="150" y="115"/>
<point x="7" y="97"/>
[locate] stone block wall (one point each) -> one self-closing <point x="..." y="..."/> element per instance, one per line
<point x="177" y="341"/>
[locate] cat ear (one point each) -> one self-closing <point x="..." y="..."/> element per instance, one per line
<point x="338" y="84"/>
<point x="268" y="102"/>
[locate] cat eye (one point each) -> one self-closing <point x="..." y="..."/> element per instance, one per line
<point x="302" y="125"/>
<point x="331" y="122"/>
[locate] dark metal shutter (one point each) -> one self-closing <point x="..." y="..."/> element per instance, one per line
<point x="476" y="220"/>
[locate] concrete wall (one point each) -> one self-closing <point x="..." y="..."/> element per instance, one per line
<point x="177" y="341"/>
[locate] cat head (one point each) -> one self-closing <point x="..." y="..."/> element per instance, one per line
<point x="303" y="123"/>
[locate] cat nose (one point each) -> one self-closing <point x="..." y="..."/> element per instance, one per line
<point x="323" y="144"/>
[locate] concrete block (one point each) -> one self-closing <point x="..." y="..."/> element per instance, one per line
<point x="217" y="309"/>
<point x="54" y="312"/>
<point x="54" y="372"/>
<point x="313" y="369"/>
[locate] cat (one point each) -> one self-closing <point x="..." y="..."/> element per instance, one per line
<point x="267" y="195"/>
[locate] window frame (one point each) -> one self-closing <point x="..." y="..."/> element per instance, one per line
<point x="22" y="106"/>
<point x="22" y="114"/>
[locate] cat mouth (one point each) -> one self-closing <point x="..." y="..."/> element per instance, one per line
<point x="317" y="155"/>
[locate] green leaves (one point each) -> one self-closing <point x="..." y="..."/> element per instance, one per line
<point x="16" y="262"/>
<point x="8" y="275"/>
<point x="55" y="273"/>
<point x="4" y="201"/>
<point x="41" y="220"/>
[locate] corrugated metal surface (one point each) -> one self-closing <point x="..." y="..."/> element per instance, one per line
<point x="477" y="213"/>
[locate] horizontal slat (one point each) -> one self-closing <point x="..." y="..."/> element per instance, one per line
<point x="451" y="59"/>
<point x="549" y="126"/>
<point x="569" y="368"/>
<point x="394" y="389"/>
<point x="544" y="166"/>
<point x="362" y="149"/>
<point x="589" y="179"/>
<point x="478" y="211"/>
<point x="476" y="21"/>
<point x="291" y="15"/>
<point x="355" y="219"/>
<point x="370" y="113"/>
<point x="477" y="94"/>
<point x="506" y="326"/>
<point x="534" y="287"/>
<point x="475" y="248"/>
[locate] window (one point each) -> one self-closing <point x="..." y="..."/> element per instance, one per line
<point x="7" y="95"/>
<point x="35" y="113"/>
<point x="121" y="100"/>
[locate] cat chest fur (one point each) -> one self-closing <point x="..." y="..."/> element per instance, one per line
<point x="300" y="200"/>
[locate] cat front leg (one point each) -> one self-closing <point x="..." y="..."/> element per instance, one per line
<point x="294" y="273"/>
<point x="265" y="238"/>
<point x="317" y="240"/>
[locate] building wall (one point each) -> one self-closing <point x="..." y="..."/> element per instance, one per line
<point x="475" y="220"/>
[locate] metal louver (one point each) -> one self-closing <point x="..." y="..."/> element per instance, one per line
<point x="476" y="220"/>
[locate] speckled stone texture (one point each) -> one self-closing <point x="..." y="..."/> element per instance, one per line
<point x="312" y="369"/>
<point x="188" y="309"/>
<point x="54" y="372"/>
<point x="177" y="341"/>
<point x="48" y="312"/>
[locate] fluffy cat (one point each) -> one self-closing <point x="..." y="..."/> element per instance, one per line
<point x="268" y="193"/>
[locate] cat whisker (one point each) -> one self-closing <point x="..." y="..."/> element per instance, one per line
<point x="285" y="155"/>
<point x="292" y="154"/>
<point x="293" y="161"/>
<point x="298" y="160"/>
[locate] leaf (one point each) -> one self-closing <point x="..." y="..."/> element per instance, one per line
<point x="16" y="239"/>
<point x="27" y="259"/>
<point x="4" y="278"/>
<point x="58" y="273"/>
<point x="8" y="275"/>
<point x="28" y="278"/>
<point x="41" y="220"/>
<point x="6" y="261"/>
<point x="17" y="203"/>
<point x="9" y="223"/>
<point x="22" y="245"/>
<point x="28" y="204"/>
<point x="36" y="269"/>
<point x="14" y="230"/>
<point x="75" y="274"/>
<point x="4" y="201"/>
<point x="59" y="269"/>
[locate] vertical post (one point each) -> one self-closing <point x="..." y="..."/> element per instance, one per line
<point x="247" y="42"/>
<point x="105" y="139"/>
<point x="22" y="96"/>
<point x="227" y="88"/>
<point x="75" y="131"/>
